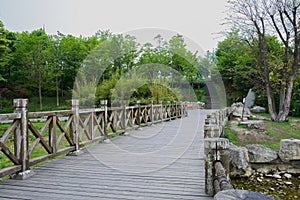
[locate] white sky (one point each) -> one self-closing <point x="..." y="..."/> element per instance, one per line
<point x="199" y="20"/>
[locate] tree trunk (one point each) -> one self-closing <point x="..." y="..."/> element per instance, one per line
<point x="271" y="103"/>
<point x="262" y="59"/>
<point x="283" y="113"/>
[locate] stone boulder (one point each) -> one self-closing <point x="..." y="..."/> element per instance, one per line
<point x="289" y="150"/>
<point x="258" y="109"/>
<point x="239" y="162"/>
<point x="237" y="111"/>
<point x="240" y="194"/>
<point x="254" y="124"/>
<point x="260" y="154"/>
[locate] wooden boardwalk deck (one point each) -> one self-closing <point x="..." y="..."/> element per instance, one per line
<point x="164" y="161"/>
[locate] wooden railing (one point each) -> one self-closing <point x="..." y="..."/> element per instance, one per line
<point x="26" y="143"/>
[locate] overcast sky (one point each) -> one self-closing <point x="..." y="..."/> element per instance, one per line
<point x="199" y="20"/>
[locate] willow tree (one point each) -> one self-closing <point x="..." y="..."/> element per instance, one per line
<point x="258" y="19"/>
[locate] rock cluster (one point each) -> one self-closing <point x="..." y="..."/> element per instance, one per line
<point x="240" y="112"/>
<point x="254" y="124"/>
<point x="264" y="160"/>
<point x="275" y="184"/>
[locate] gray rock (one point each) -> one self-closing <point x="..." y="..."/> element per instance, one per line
<point x="239" y="162"/>
<point x="289" y="150"/>
<point x="288" y="176"/>
<point x="260" y="154"/>
<point x="277" y="176"/>
<point x="263" y="170"/>
<point x="240" y="194"/>
<point x="258" y="109"/>
<point x="254" y="124"/>
<point x="237" y="110"/>
<point x="259" y="180"/>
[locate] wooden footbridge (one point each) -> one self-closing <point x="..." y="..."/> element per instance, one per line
<point x="163" y="160"/>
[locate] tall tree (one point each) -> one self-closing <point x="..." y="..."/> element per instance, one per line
<point x="73" y="50"/>
<point x="4" y="50"/>
<point x="237" y="67"/>
<point x="32" y="57"/>
<point x="257" y="19"/>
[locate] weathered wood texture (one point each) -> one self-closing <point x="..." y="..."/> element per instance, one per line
<point x="164" y="161"/>
<point x="79" y="128"/>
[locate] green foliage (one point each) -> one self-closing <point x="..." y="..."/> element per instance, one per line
<point x="35" y="64"/>
<point x="237" y="67"/>
<point x="230" y="134"/>
<point x="155" y="75"/>
<point x="5" y="55"/>
<point x="295" y="103"/>
<point x="84" y="91"/>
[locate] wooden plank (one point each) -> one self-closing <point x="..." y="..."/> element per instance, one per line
<point x="49" y="113"/>
<point x="85" y="111"/>
<point x="10" y="116"/>
<point x="9" y="154"/>
<point x="84" y="126"/>
<point x="35" y="143"/>
<point x="9" y="170"/>
<point x="99" y="190"/>
<point x="64" y="133"/>
<point x="39" y="139"/>
<point x="88" y="142"/>
<point x="43" y="158"/>
<point x="9" y="131"/>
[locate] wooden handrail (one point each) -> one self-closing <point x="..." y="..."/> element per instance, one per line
<point x="10" y="116"/>
<point x="82" y="127"/>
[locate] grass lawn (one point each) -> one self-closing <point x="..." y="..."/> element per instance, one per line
<point x="241" y="135"/>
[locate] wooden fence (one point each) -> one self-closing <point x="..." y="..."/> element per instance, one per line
<point x="80" y="127"/>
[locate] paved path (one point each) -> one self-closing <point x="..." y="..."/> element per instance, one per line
<point x="164" y="161"/>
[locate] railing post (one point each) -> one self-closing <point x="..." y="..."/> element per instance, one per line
<point x="214" y="150"/>
<point x="185" y="109"/>
<point x="151" y="113"/>
<point x="124" y="117"/>
<point x="91" y="125"/>
<point x="161" y="111"/>
<point x="75" y="123"/>
<point x="52" y="134"/>
<point x="21" y="139"/>
<point x="138" y="117"/>
<point x="105" y="118"/>
<point x="168" y="110"/>
<point x="181" y="109"/>
<point x="175" y="109"/>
